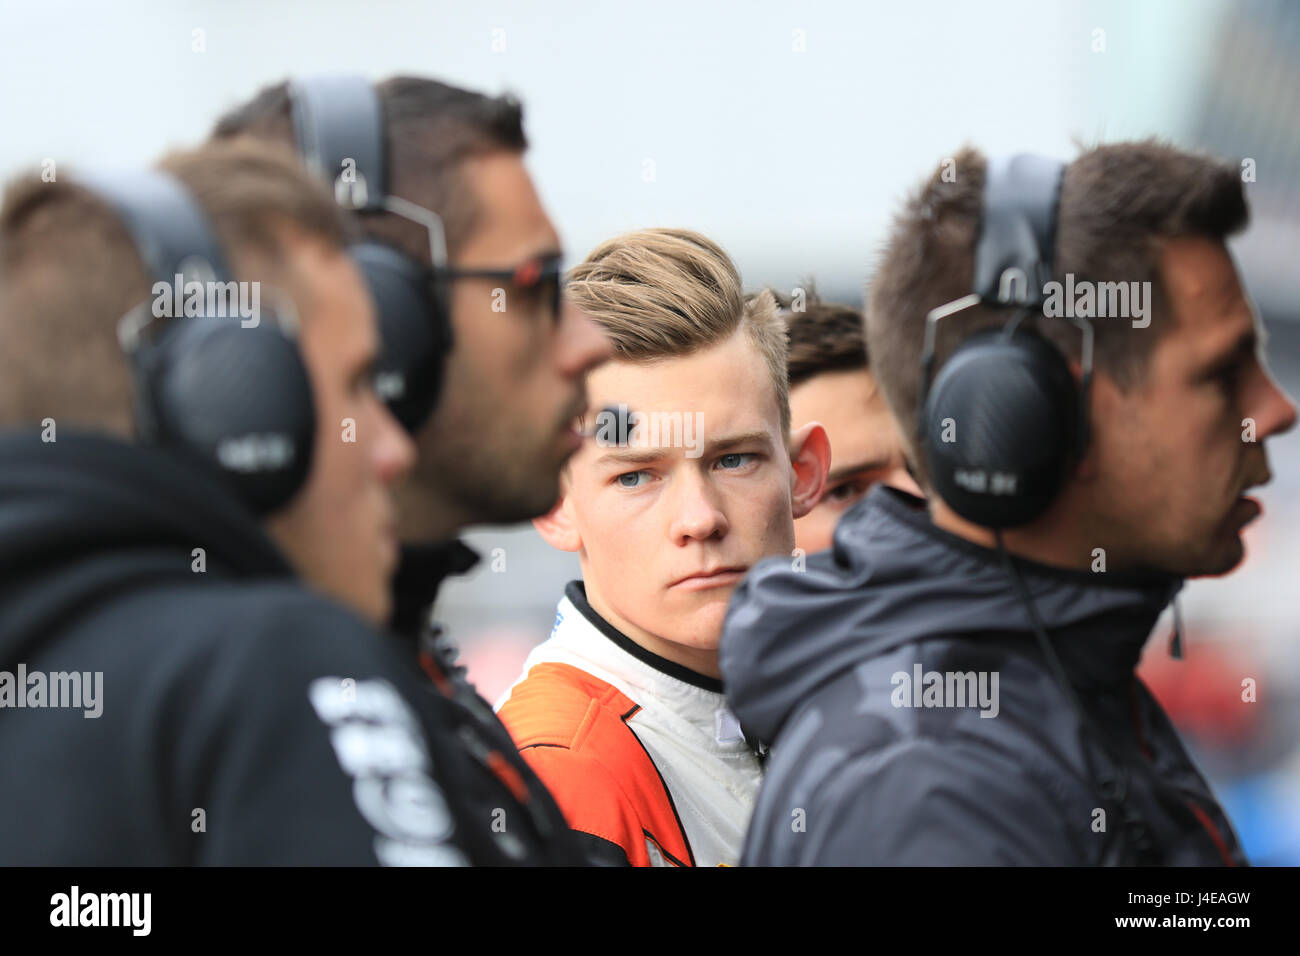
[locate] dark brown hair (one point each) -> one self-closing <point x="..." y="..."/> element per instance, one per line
<point x="431" y="128"/>
<point x="69" y="271"/>
<point x="824" y="336"/>
<point x="1118" y="202"/>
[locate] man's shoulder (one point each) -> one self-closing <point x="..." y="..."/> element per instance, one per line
<point x="876" y="754"/>
<point x="572" y="728"/>
<point x="560" y="705"/>
<point x="917" y="800"/>
<point x="190" y="627"/>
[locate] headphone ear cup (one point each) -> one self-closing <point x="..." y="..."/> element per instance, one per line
<point x="238" y="400"/>
<point x="1001" y="428"/>
<point x="414" y="329"/>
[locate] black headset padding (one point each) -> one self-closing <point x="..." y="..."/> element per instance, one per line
<point x="1013" y="405"/>
<point x="1018" y="227"/>
<point x="219" y="385"/>
<point x="410" y="367"/>
<point x="1018" y="417"/>
<point x="206" y="387"/>
<point x="341" y="117"/>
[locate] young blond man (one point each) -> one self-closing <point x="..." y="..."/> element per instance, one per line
<point x="670" y="502"/>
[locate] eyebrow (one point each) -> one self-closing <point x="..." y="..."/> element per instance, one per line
<point x="647" y="456"/>
<point x="850" y="470"/>
<point x="731" y="441"/>
<point x="1245" y="345"/>
<point x="546" y="252"/>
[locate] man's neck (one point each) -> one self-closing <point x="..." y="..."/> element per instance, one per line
<point x="423" y="517"/>
<point x="1057" y="538"/>
<point x="698" y="659"/>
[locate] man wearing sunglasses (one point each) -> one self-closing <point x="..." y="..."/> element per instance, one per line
<point x="491" y="450"/>
<point x="462" y="208"/>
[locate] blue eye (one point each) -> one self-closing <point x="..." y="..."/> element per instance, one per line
<point x="624" y="483"/>
<point x="736" y="461"/>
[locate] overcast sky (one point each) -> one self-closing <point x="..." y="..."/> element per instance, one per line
<point x="792" y="159"/>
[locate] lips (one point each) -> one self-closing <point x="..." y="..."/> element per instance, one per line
<point x="715" y="578"/>
<point x="1246" y="510"/>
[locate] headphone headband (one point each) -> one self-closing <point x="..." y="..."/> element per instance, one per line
<point x="170" y="230"/>
<point x="1016" y="252"/>
<point x="336" y="120"/>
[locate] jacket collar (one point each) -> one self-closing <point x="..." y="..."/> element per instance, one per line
<point x="689" y="705"/>
<point x="1098" y="648"/>
<point x="420" y="573"/>
<point x="892" y="579"/>
<point x="576" y="592"/>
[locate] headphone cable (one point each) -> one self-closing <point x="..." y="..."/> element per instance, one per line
<point x="1112" y="781"/>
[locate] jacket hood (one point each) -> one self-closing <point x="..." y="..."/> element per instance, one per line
<point x="893" y="578"/>
<point x="85" y="515"/>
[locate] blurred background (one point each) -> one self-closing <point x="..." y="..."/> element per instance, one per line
<point x="788" y="132"/>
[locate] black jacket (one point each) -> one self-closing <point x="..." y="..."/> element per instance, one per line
<point x="237" y="718"/>
<point x="823" y="664"/>
<point x="420" y="575"/>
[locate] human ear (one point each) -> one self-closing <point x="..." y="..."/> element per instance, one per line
<point x="810" y="458"/>
<point x="557" y="526"/>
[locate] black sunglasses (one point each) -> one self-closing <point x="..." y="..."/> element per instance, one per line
<point x="540" y="272"/>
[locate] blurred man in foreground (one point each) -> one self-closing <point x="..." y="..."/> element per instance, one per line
<point x="179" y="686"/>
<point x="465" y="267"/>
<point x="454" y="200"/>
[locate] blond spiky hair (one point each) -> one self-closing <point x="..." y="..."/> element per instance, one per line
<point x="666" y="293"/>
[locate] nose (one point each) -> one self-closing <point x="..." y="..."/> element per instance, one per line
<point x="697" y="515"/>
<point x="581" y="345"/>
<point x="393" y="453"/>
<point x="1275" y="412"/>
<point x="898" y="477"/>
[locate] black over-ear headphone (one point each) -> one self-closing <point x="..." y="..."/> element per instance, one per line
<point x="1003" y="419"/>
<point x="339" y="126"/>
<point x="229" y="391"/>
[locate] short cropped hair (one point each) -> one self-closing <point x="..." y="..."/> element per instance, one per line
<point x="69" y="271"/>
<point x="824" y="336"/>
